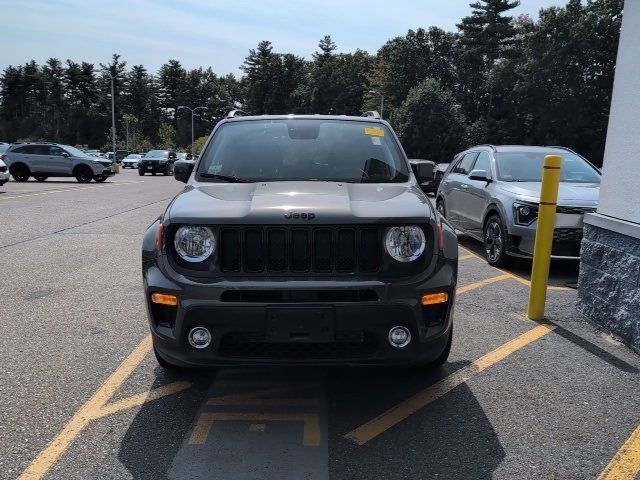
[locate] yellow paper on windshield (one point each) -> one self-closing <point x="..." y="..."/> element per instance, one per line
<point x="378" y="132"/>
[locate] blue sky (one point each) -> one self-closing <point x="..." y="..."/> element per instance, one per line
<point x="216" y="33"/>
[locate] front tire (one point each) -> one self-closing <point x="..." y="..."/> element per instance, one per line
<point x="100" y="178"/>
<point x="141" y="173"/>
<point x="495" y="242"/>
<point x="83" y="174"/>
<point x="20" y="173"/>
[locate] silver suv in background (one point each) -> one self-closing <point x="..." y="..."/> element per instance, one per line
<point x="492" y="193"/>
<point x="44" y="160"/>
<point x="4" y="170"/>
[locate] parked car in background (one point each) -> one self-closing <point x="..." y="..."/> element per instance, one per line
<point x="4" y="172"/>
<point x="492" y="193"/>
<point x="120" y="154"/>
<point x="438" y="173"/>
<point x="44" y="160"/>
<point x="157" y="161"/>
<point x="131" y="160"/>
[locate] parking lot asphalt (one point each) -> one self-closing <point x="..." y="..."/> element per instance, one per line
<point x="83" y="397"/>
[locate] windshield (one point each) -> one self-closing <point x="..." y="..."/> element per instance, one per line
<point x="74" y="152"/>
<point x="132" y="156"/>
<point x="4" y="148"/>
<point x="527" y="167"/>
<point x="305" y="149"/>
<point x="157" y="154"/>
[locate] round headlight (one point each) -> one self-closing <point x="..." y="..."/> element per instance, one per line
<point x="194" y="244"/>
<point x="404" y="244"/>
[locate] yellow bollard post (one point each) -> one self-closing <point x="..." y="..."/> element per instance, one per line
<point x="544" y="236"/>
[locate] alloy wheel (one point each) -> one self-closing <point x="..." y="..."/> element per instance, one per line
<point x="493" y="241"/>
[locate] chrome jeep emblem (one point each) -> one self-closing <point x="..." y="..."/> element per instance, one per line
<point x="299" y="215"/>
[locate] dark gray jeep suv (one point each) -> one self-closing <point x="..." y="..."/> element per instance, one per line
<point x="300" y="239"/>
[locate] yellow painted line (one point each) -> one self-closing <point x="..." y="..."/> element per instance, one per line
<point x="311" y="421"/>
<point x="50" y="192"/>
<point x="625" y="465"/>
<point x="48" y="457"/>
<point x="517" y="278"/>
<point x="482" y="283"/>
<point x="142" y="398"/>
<point x="471" y="252"/>
<point x="201" y="430"/>
<point x="257" y="397"/>
<point x="466" y="257"/>
<point x="397" y="414"/>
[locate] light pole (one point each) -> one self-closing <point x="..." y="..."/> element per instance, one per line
<point x="113" y="121"/>
<point x="193" y="110"/>
<point x="381" y="101"/>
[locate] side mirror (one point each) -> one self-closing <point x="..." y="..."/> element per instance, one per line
<point x="182" y="170"/>
<point x="424" y="171"/>
<point x="480" y="175"/>
<point x="65" y="154"/>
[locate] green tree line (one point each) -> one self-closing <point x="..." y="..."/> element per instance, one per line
<point x="496" y="79"/>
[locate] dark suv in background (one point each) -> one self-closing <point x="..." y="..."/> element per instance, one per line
<point x="300" y="239"/>
<point x="157" y="161"/>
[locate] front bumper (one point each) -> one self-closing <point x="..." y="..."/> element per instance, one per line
<point x="4" y="177"/>
<point x="358" y="323"/>
<point x="152" y="167"/>
<point x="566" y="242"/>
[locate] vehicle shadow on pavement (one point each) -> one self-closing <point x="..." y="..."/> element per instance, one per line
<point x="449" y="438"/>
<point x="157" y="431"/>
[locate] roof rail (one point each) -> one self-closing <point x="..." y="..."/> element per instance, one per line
<point x="236" y="113"/>
<point x="491" y="146"/>
<point x="560" y="146"/>
<point x="372" y="114"/>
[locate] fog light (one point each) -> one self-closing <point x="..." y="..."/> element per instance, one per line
<point x="399" y="337"/>
<point x="199" y="337"/>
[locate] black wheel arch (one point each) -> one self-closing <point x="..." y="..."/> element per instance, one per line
<point x="80" y="166"/>
<point x="19" y="164"/>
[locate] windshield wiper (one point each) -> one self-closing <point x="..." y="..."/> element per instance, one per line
<point x="226" y="178"/>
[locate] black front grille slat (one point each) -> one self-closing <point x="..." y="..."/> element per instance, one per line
<point x="253" y="250"/>
<point x="277" y="250"/>
<point x="369" y="250"/>
<point x="318" y="249"/>
<point x="346" y="250"/>
<point x="230" y="249"/>
<point x="323" y="250"/>
<point x="300" y="258"/>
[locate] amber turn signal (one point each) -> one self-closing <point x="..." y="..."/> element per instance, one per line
<point x="164" y="299"/>
<point x="435" y="298"/>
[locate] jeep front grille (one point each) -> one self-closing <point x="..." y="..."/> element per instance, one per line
<point x="300" y="249"/>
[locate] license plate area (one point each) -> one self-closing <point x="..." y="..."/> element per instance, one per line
<point x="300" y="325"/>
